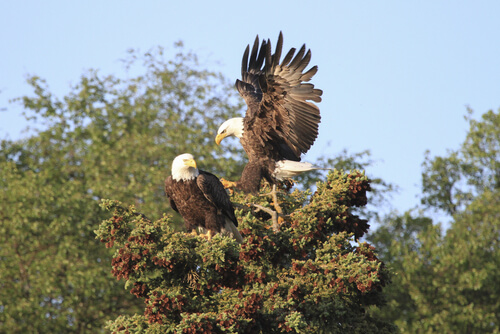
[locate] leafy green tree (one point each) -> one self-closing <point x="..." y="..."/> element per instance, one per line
<point x="51" y="272"/>
<point x="450" y="183"/>
<point x="108" y="137"/>
<point x="346" y="161"/>
<point x="449" y="282"/>
<point x="304" y="275"/>
<point x="396" y="239"/>
<point x="454" y="280"/>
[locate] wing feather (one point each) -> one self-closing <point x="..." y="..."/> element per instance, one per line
<point x="253" y="55"/>
<point x="288" y="57"/>
<point x="304" y="62"/>
<point x="168" y="191"/>
<point x="269" y="58"/>
<point x="298" y="57"/>
<point x="214" y="192"/>
<point x="244" y="62"/>
<point x="280" y="117"/>
<point x="277" y="53"/>
<point x="262" y="56"/>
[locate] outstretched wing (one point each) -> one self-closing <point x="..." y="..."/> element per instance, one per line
<point x="214" y="191"/>
<point x="278" y="97"/>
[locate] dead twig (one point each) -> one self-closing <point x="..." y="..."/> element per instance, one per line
<point x="274" y="215"/>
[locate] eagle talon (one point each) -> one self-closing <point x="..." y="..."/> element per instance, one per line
<point x="227" y="184"/>
<point x="208" y="235"/>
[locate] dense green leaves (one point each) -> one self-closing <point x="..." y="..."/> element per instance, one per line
<point x="51" y="269"/>
<point x="451" y="182"/>
<point x="449" y="282"/>
<point x="380" y="190"/>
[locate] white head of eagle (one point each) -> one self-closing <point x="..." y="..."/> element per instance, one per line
<point x="184" y="168"/>
<point x="231" y="127"/>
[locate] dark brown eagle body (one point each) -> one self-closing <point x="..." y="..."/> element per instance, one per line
<point x="254" y="171"/>
<point x="280" y="123"/>
<point x="203" y="202"/>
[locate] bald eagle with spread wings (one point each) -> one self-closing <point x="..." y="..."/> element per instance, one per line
<point x="201" y="199"/>
<point x="281" y="122"/>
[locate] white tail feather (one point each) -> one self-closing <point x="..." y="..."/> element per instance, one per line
<point x="231" y="230"/>
<point x="287" y="168"/>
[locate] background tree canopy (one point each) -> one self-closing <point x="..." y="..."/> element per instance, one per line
<point x="115" y="137"/>
<point x="449" y="281"/>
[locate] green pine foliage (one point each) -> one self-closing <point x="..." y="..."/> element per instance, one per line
<point x="301" y="271"/>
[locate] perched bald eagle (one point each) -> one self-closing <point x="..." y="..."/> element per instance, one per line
<point x="200" y="198"/>
<point x="280" y="123"/>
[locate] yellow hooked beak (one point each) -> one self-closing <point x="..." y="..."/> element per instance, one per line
<point x="190" y="163"/>
<point x="219" y="137"/>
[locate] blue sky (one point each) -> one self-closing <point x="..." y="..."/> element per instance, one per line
<point x="397" y="75"/>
